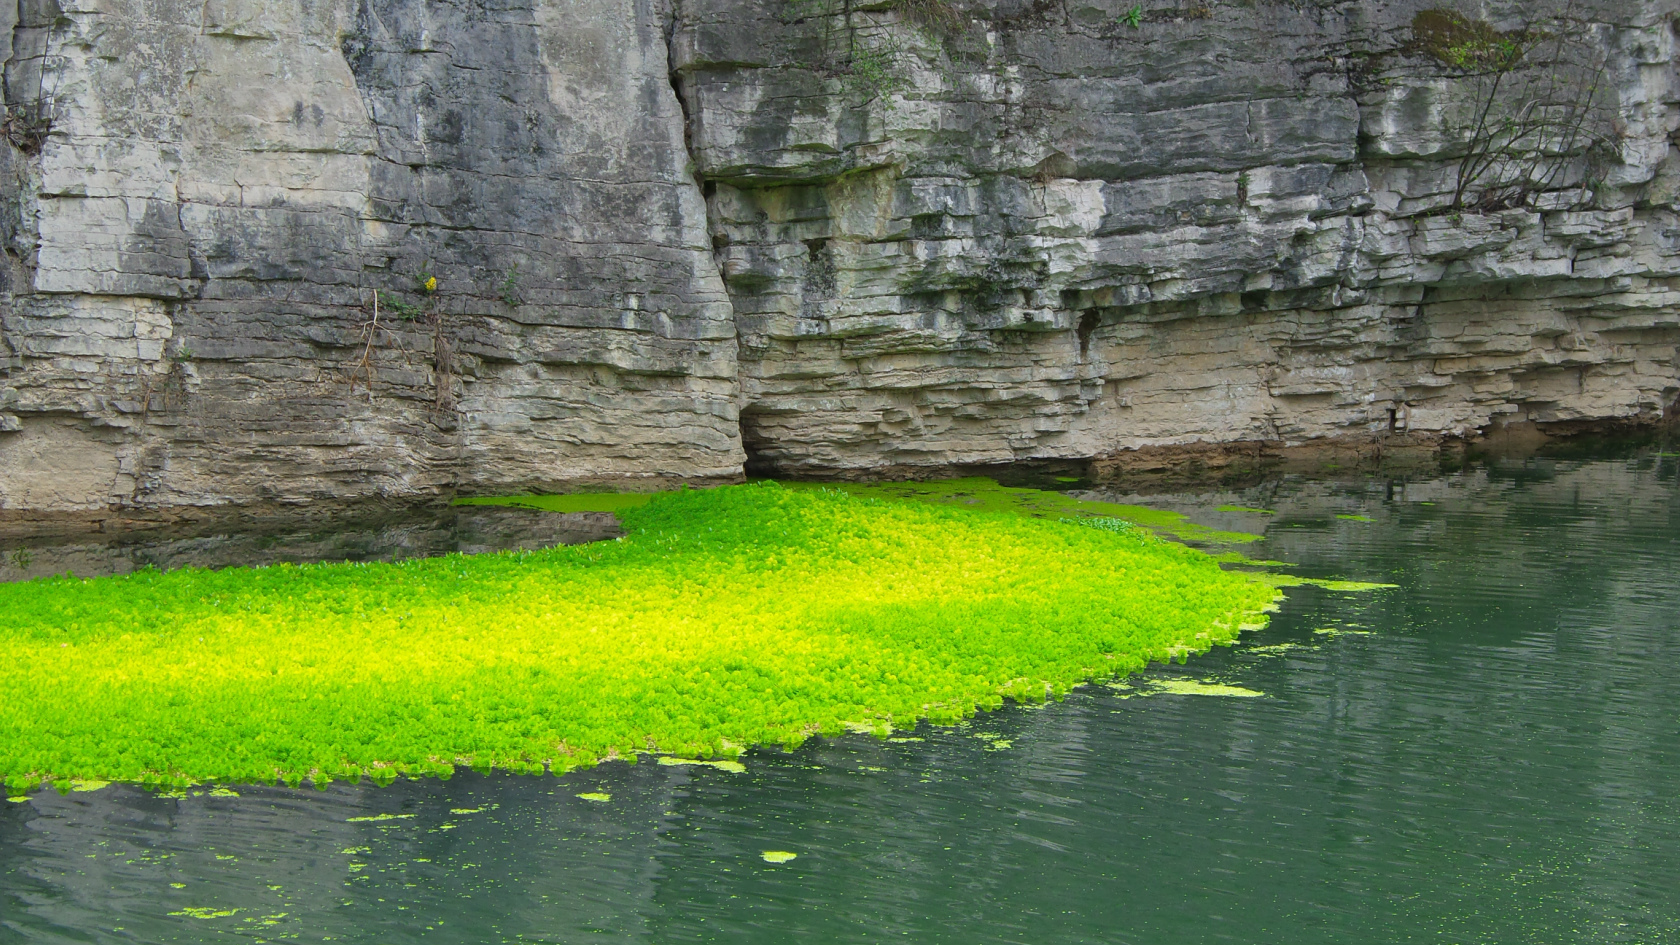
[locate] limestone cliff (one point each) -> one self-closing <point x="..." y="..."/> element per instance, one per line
<point x="294" y="249"/>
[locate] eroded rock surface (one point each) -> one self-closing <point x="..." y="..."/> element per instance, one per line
<point x="843" y="236"/>
<point x="1073" y="235"/>
<point x="226" y="186"/>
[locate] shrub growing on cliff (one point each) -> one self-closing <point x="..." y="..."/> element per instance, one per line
<point x="1541" y="108"/>
<point x="725" y="618"/>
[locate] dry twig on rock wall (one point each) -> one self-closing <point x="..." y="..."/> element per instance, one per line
<point x="1541" y="106"/>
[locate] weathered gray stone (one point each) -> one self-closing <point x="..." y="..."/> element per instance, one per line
<point x="227" y="185"/>
<point x="1071" y="237"/>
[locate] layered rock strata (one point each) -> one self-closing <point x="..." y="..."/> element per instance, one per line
<point x="1072" y="234"/>
<point x="303" y="249"/>
<point x="225" y="190"/>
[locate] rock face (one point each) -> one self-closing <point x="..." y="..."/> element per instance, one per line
<point x="197" y="246"/>
<point x="283" y="250"/>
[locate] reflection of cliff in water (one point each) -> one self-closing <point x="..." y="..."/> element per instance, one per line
<point x="384" y="536"/>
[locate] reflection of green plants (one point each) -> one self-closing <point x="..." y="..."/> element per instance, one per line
<point x="725" y="618"/>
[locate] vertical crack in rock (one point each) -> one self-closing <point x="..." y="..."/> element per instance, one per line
<point x="673" y="17"/>
<point x="714" y="226"/>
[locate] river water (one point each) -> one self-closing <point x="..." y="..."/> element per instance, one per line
<point x="1488" y="753"/>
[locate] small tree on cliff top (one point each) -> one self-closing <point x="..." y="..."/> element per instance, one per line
<point x="1542" y="112"/>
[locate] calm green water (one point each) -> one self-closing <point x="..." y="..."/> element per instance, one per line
<point x="1490" y="753"/>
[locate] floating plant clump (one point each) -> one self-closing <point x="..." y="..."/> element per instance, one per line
<point x="723" y="619"/>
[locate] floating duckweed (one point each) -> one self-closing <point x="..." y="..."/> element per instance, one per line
<point x="1244" y="508"/>
<point x="570" y="502"/>
<point x="1350" y="586"/>
<point x="375" y="818"/>
<point x="1202" y="687"/>
<point x="733" y="767"/>
<point x="1107" y="524"/>
<point x="982" y="494"/>
<point x="725" y="618"/>
<point x="1242" y="560"/>
<point x="1334" y="632"/>
<point x="1291" y="580"/>
<point x="200" y="912"/>
<point x="778" y="856"/>
<point x="1354" y="518"/>
<point x="598" y="797"/>
<point x="466" y="810"/>
<point x="223" y="792"/>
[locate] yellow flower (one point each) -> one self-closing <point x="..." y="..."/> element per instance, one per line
<point x="431" y="283"/>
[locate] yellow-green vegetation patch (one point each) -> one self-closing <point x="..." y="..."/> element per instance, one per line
<point x="1293" y="580"/>
<point x="1355" y="518"/>
<point x="983" y="494"/>
<point x="599" y="797"/>
<point x="1334" y="632"/>
<point x="1238" y="558"/>
<point x="570" y="502"/>
<point x="202" y="912"/>
<point x="1183" y="687"/>
<point x="778" y="856"/>
<point x="725" y="618"/>
<point x="1272" y="649"/>
<point x="1203" y="687"/>
<point x="1244" y="508"/>
<point x="724" y="764"/>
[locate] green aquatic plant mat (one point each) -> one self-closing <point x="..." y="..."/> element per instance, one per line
<point x="569" y="502"/>
<point x="725" y="618"/>
<point x="983" y="494"/>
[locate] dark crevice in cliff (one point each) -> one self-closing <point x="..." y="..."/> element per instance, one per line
<point x="755" y="443"/>
<point x="672" y="17"/>
<point x="752" y="444"/>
